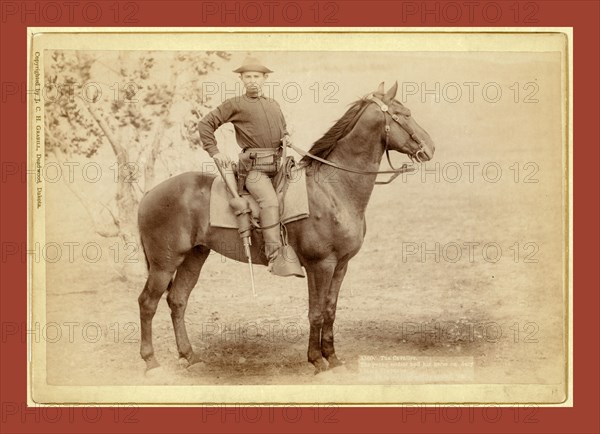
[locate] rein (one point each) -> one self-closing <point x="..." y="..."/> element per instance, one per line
<point x="405" y="168"/>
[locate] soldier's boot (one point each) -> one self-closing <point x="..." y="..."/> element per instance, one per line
<point x="282" y="258"/>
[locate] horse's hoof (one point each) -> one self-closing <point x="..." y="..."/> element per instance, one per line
<point x="194" y="361"/>
<point x="151" y="364"/>
<point x="155" y="373"/>
<point x="339" y="369"/>
<point x="320" y="366"/>
<point x="334" y="362"/>
<point x="195" y="358"/>
<point x="186" y="362"/>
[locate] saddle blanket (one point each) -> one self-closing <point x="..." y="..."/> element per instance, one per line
<point x="295" y="202"/>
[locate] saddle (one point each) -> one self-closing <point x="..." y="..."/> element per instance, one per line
<point x="289" y="183"/>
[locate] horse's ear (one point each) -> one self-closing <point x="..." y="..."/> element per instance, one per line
<point x="380" y="88"/>
<point x="391" y="93"/>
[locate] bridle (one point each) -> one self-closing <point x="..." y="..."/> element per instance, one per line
<point x="395" y="172"/>
<point x="415" y="156"/>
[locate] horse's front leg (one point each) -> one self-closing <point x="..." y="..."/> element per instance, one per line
<point x="319" y="281"/>
<point x="327" y="348"/>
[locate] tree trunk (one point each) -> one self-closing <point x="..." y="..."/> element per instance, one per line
<point x="127" y="174"/>
<point x="154" y="151"/>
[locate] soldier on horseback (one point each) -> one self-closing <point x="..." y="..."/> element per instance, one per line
<point x="177" y="235"/>
<point x="260" y="130"/>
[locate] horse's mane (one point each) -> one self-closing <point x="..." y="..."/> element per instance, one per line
<point x="323" y="147"/>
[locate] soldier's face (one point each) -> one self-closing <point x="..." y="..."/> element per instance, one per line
<point x="253" y="81"/>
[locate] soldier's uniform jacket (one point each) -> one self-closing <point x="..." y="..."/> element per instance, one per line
<point x="258" y="123"/>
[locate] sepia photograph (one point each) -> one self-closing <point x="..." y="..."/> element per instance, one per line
<point x="299" y="216"/>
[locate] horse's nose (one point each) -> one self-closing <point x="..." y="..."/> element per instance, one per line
<point x="429" y="149"/>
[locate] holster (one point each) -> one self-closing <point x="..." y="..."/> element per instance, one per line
<point x="266" y="160"/>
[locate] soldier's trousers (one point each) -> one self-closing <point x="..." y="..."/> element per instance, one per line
<point x="260" y="187"/>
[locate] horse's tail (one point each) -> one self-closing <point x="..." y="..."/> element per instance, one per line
<point x="145" y="255"/>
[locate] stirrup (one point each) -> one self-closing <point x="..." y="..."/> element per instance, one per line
<point x="286" y="263"/>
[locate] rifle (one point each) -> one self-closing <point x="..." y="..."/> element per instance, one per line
<point x="241" y="208"/>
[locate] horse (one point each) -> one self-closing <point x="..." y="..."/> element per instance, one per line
<point x="176" y="237"/>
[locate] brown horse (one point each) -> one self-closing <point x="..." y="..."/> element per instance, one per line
<point x="177" y="237"/>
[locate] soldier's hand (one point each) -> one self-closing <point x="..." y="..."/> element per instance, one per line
<point x="287" y="140"/>
<point x="222" y="159"/>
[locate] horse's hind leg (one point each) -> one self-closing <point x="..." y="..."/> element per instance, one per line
<point x="157" y="283"/>
<point x="185" y="280"/>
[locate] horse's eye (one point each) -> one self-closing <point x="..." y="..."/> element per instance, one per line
<point x="405" y="112"/>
